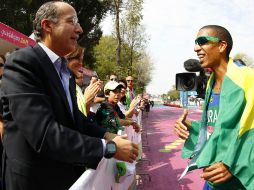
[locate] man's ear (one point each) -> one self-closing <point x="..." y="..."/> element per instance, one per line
<point x="46" y="25"/>
<point x="223" y="46"/>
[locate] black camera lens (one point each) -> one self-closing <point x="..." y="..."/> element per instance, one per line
<point x="188" y="83"/>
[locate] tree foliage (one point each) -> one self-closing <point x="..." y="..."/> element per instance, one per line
<point x="106" y="60"/>
<point x="134" y="60"/>
<point x="133" y="33"/>
<point x="142" y="71"/>
<point x="117" y="9"/>
<point x="173" y="94"/>
<point x="19" y="14"/>
<point x="105" y="64"/>
<point x="105" y="57"/>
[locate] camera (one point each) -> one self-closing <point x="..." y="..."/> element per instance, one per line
<point x="186" y="82"/>
<point x="190" y="81"/>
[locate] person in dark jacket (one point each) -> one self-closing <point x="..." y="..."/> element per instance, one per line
<point x="46" y="136"/>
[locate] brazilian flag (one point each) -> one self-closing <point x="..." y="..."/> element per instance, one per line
<point x="232" y="141"/>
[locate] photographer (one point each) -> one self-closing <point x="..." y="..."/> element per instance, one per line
<point x="222" y="142"/>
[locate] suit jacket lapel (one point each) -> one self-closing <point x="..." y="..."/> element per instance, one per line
<point x="72" y="85"/>
<point x="52" y="74"/>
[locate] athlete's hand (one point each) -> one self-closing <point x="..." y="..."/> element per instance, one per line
<point x="216" y="173"/>
<point x="181" y="126"/>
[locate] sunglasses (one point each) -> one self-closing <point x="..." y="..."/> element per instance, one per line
<point x="113" y="79"/>
<point x="1" y="64"/>
<point x="201" y="40"/>
<point x="129" y="80"/>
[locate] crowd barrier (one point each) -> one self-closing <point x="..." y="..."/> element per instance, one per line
<point x="111" y="173"/>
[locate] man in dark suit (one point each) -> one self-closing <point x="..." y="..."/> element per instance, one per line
<point x="45" y="134"/>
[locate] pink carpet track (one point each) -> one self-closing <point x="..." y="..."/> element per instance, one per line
<point x="166" y="164"/>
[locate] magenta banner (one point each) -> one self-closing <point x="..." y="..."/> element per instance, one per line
<point x="9" y="34"/>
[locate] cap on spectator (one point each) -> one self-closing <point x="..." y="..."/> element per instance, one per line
<point x="112" y="85"/>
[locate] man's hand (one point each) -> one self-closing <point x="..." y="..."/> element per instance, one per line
<point x="216" y="173"/>
<point x="182" y="126"/>
<point x="126" y="150"/>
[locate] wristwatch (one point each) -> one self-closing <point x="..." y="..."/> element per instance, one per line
<point x="110" y="149"/>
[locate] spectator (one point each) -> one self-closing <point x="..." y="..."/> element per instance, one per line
<point x="109" y="113"/>
<point x="130" y="94"/>
<point x="147" y="105"/>
<point x="75" y="61"/>
<point x="113" y="77"/>
<point x="223" y="139"/>
<point x="122" y="102"/>
<point x="152" y="103"/>
<point x="45" y="133"/>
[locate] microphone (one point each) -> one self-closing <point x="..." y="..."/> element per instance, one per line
<point x="193" y="65"/>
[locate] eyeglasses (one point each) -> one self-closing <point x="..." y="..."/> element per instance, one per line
<point x="74" y="21"/>
<point x="113" y="79"/>
<point x="201" y="40"/>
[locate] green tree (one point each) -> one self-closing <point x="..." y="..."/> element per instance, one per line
<point x="164" y="98"/>
<point x="173" y="94"/>
<point x="142" y="71"/>
<point x="133" y="35"/>
<point x="117" y="9"/>
<point x="105" y="55"/>
<point x="132" y="32"/>
<point x="132" y="58"/>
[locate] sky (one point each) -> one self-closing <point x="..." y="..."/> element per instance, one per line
<point x="172" y="26"/>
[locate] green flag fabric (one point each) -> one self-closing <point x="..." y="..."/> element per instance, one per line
<point x="232" y="141"/>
